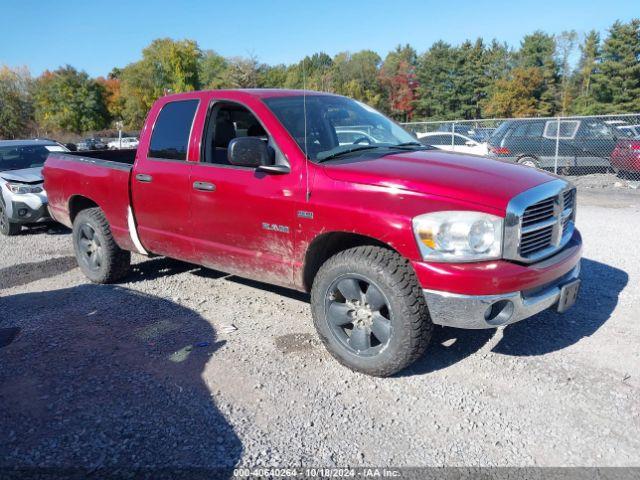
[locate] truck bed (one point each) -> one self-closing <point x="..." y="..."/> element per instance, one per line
<point x="74" y="180"/>
<point x="125" y="156"/>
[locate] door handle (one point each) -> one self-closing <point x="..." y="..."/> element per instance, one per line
<point x="204" y="186"/>
<point x="142" y="177"/>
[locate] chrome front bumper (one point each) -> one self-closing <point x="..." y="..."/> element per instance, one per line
<point x="490" y="311"/>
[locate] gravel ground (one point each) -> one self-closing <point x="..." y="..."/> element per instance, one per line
<point x="151" y="372"/>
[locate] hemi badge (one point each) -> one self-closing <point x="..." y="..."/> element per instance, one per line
<point x="304" y="214"/>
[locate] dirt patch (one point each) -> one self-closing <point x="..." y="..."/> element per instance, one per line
<point x="296" y="342"/>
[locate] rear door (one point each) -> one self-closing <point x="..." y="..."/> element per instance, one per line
<point x="160" y="184"/>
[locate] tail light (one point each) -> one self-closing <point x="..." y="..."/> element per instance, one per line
<point x="635" y="145"/>
<point x="499" y="150"/>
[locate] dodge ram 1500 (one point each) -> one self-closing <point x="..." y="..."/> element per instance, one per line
<point x="389" y="236"/>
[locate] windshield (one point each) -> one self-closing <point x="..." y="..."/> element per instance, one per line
<point x="336" y="125"/>
<point x="25" y="156"/>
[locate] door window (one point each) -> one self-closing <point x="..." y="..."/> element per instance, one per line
<point x="170" y="138"/>
<point x="568" y="129"/>
<point x="229" y="120"/>
<point x="438" y="139"/>
<point x="460" y="140"/>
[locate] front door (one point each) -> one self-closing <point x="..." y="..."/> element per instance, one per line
<point x="242" y="220"/>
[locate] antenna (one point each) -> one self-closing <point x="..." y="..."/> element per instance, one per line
<point x="304" y="110"/>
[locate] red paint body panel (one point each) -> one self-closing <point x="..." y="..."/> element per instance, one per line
<point x="226" y="229"/>
<point x="106" y="187"/>
<point x="495" y="277"/>
<point x="626" y="155"/>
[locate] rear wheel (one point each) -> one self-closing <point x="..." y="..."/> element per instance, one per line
<point x="98" y="255"/>
<point x="528" y="162"/>
<point x="370" y="311"/>
<point x="6" y="227"/>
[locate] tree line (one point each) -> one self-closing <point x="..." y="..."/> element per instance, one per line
<point x="475" y="79"/>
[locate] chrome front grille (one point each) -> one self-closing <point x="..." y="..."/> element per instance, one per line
<point x="539" y="222"/>
<point x="536" y="240"/>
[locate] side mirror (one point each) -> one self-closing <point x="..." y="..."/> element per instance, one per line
<point x="470" y="143"/>
<point x="249" y="152"/>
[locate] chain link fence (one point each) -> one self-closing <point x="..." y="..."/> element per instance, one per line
<point x="604" y="147"/>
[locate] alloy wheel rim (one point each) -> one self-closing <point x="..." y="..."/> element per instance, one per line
<point x="90" y="247"/>
<point x="358" y="315"/>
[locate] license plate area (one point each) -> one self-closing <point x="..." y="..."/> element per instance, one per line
<point x="568" y="295"/>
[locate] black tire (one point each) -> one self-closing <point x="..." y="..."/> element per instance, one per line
<point x="8" y="228"/>
<point x="98" y="255"/>
<point x="403" y="322"/>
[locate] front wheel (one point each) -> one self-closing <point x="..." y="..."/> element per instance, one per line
<point x="98" y="255"/>
<point x="369" y="310"/>
<point x="6" y="227"/>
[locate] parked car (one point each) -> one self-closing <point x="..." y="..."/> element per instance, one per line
<point x="453" y="142"/>
<point x="481" y="135"/>
<point x="123" y="143"/>
<point x="354" y="137"/>
<point x="90" y="144"/>
<point x="389" y="238"/>
<point x="581" y="143"/>
<point x="23" y="201"/>
<point x="631" y="131"/>
<point x="626" y="156"/>
<point x="461" y="128"/>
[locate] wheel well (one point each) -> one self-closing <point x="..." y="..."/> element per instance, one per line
<point x="79" y="203"/>
<point x="326" y="246"/>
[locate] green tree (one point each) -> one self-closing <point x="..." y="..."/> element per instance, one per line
<point x="616" y="84"/>
<point x="585" y="103"/>
<point x="212" y="70"/>
<point x="518" y="95"/>
<point x="242" y="73"/>
<point x="538" y="51"/>
<point x="16" y="109"/>
<point x="312" y="72"/>
<point x="273" y="76"/>
<point x="565" y="45"/>
<point x="68" y="100"/>
<point x="355" y="75"/>
<point x="398" y="82"/>
<point x="498" y="60"/>
<point x="167" y="66"/>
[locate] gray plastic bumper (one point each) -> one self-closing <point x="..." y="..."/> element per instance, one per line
<point x="490" y="311"/>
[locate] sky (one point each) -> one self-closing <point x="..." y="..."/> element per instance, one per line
<point x="96" y="36"/>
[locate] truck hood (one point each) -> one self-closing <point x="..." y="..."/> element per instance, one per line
<point x="26" y="175"/>
<point x="469" y="178"/>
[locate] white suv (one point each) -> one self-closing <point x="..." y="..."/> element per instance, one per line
<point x="23" y="201"/>
<point x="125" y="142"/>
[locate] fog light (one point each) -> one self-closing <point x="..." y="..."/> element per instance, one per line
<point x="23" y="212"/>
<point x="499" y="313"/>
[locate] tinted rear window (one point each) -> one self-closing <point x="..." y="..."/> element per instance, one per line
<point x="170" y="138"/>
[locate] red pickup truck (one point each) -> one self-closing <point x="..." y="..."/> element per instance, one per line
<point x="389" y="236"/>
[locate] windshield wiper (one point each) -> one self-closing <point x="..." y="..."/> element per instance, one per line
<point x="344" y="152"/>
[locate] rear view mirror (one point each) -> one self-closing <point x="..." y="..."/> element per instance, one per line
<point x="249" y="152"/>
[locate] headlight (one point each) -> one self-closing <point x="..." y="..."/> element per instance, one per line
<point x="22" y="188"/>
<point x="458" y="236"/>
